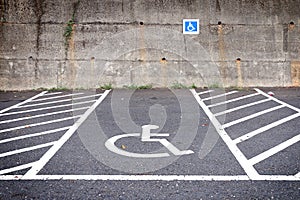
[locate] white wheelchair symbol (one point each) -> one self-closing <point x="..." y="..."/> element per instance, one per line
<point x="146" y="137"/>
<point x="190" y="27"/>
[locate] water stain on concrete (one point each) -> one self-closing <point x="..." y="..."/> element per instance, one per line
<point x="222" y="55"/>
<point x="239" y="73"/>
<point x="295" y="73"/>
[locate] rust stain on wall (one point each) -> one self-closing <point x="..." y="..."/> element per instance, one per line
<point x="163" y="63"/>
<point x="92" y="72"/>
<point x="239" y="73"/>
<point x="295" y="73"/>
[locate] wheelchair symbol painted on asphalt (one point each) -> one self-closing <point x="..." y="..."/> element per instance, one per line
<point x="191" y="26"/>
<point x="146" y="137"/>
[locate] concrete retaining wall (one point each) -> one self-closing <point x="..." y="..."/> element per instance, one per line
<point x="140" y="42"/>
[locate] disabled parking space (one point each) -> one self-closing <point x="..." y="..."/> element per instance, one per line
<point x="157" y="134"/>
<point x="146" y="107"/>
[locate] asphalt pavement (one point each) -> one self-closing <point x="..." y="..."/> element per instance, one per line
<point x="201" y="144"/>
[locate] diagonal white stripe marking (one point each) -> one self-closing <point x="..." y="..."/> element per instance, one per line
<point x="57" y="97"/>
<point x="42" y="115"/>
<point x="233" y="100"/>
<point x="33" y="135"/>
<point x="265" y="128"/>
<point x="220" y="95"/>
<point x="23" y="102"/>
<point x="204" y="92"/>
<point x="52" y="93"/>
<point x="17" y="168"/>
<point x="274" y="150"/>
<point x="60" y="101"/>
<point x="9" y="153"/>
<point x="46" y="108"/>
<point x="241" y="107"/>
<point x="38" y="124"/>
<point x="277" y="100"/>
<point x="252" y="116"/>
<point x="52" y="151"/>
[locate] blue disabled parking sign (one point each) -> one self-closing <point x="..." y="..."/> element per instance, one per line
<point x="191" y="26"/>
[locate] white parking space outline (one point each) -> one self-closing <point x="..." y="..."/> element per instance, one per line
<point x="36" y="166"/>
<point x="251" y="173"/>
<point x="248" y="164"/>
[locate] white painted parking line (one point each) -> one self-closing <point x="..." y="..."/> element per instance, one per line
<point x="17" y="168"/>
<point x="233" y="100"/>
<point x="52" y="151"/>
<point x="9" y="153"/>
<point x="42" y="115"/>
<point x="205" y="92"/>
<point x="274" y="150"/>
<point x="34" y="135"/>
<point x="60" y="101"/>
<point x="242" y="107"/>
<point x="46" y="108"/>
<point x="129" y="177"/>
<point x="39" y="124"/>
<point x="152" y="177"/>
<point x="249" y="169"/>
<point x="23" y="102"/>
<point x="265" y="128"/>
<point x="52" y="93"/>
<point x="251" y="116"/>
<point x="57" y="97"/>
<point x="141" y="177"/>
<point x="220" y="95"/>
<point x="10" y="177"/>
<point x="279" y="178"/>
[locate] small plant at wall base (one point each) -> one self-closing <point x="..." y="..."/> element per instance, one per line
<point x="106" y="87"/>
<point x="137" y="87"/>
<point x="193" y="86"/>
<point x="178" y="85"/>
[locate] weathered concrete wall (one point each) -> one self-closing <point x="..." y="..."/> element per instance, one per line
<point x="122" y="42"/>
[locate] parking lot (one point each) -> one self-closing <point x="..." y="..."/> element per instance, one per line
<point x="162" y="140"/>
